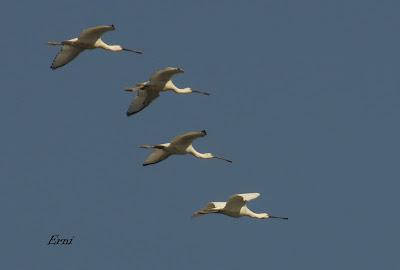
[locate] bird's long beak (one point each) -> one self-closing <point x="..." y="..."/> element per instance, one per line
<point x="130" y="50"/>
<point x="221" y="158"/>
<point x="277" y="217"/>
<point x="199" y="92"/>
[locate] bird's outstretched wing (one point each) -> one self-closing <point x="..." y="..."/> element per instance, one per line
<point x="188" y="138"/>
<point x="211" y="207"/>
<point x="165" y="74"/>
<point x="237" y="201"/>
<point x="66" y="54"/>
<point x="156" y="156"/>
<point x="90" y="35"/>
<point x="141" y="101"/>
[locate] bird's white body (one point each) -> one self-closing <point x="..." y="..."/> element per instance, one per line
<point x="180" y="145"/>
<point x="88" y="39"/>
<point x="149" y="90"/>
<point x="234" y="207"/>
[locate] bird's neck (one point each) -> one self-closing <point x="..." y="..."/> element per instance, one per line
<point x="105" y="46"/>
<point x="193" y="151"/>
<point x="261" y="215"/>
<point x="172" y="87"/>
<point x="113" y="48"/>
<point x="250" y="213"/>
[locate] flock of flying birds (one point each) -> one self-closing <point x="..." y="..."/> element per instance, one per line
<point x="146" y="92"/>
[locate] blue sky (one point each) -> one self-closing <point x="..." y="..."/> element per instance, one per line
<point x="305" y="101"/>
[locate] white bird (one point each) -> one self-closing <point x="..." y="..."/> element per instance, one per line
<point x="149" y="90"/>
<point x="235" y="207"/>
<point x="88" y="39"/>
<point x="179" y="145"/>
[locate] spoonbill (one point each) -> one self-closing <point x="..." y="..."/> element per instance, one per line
<point x="234" y="207"/>
<point x="179" y="145"/>
<point x="149" y="90"/>
<point x="88" y="39"/>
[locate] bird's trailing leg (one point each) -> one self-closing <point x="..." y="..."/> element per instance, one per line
<point x="204" y="212"/>
<point x="132" y="89"/>
<point x="139" y="86"/>
<point x="147" y="146"/>
<point x="54" y="43"/>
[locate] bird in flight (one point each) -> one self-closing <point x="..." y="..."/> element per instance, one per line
<point x="234" y="207"/>
<point x="88" y="39"/>
<point x="149" y="90"/>
<point x="179" y="145"/>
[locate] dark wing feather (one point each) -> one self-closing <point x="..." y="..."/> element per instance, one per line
<point x="66" y="54"/>
<point x="141" y="101"/>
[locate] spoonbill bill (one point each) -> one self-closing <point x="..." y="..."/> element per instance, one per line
<point x="149" y="90"/>
<point x="234" y="207"/>
<point x="179" y="145"/>
<point x="88" y="39"/>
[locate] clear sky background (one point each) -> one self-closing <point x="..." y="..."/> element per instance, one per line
<point x="305" y="101"/>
